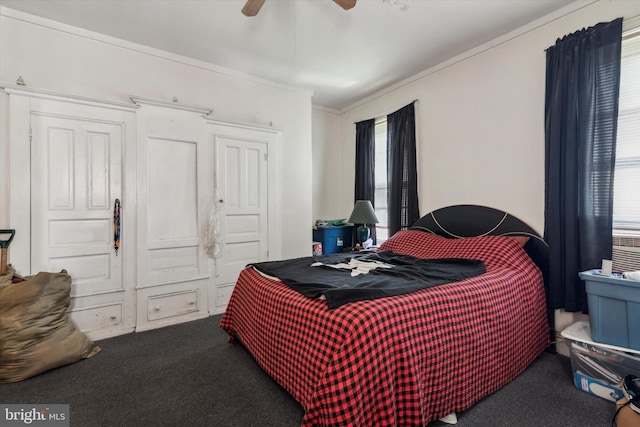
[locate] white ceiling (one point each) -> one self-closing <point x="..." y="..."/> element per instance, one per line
<point x="342" y="56"/>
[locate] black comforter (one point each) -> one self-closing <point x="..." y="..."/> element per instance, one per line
<point x="367" y="275"/>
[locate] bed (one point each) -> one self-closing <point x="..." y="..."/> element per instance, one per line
<point x="412" y="358"/>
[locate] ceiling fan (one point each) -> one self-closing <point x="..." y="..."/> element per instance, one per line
<point x="252" y="7"/>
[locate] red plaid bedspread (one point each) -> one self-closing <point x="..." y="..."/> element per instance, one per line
<point x="402" y="360"/>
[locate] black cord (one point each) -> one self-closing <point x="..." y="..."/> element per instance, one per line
<point x="613" y="420"/>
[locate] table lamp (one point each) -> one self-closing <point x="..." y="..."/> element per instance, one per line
<point x="363" y="214"/>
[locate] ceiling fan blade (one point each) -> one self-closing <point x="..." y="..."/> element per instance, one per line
<point x="345" y="4"/>
<point x="252" y="7"/>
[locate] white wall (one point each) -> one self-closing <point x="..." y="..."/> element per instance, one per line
<point x="480" y="121"/>
<point x="327" y="166"/>
<point x="66" y="59"/>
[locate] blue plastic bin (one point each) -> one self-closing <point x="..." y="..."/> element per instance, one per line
<point x="334" y="239"/>
<point x="614" y="309"/>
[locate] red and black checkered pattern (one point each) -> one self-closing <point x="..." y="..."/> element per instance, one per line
<point x="402" y="360"/>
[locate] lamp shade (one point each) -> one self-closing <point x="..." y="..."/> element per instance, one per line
<point x="363" y="213"/>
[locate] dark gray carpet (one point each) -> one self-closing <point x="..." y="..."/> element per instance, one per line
<point x="189" y="375"/>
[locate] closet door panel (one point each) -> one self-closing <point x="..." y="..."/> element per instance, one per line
<point x="173" y="189"/>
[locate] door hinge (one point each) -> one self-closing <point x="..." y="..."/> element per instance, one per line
<point x="266" y="156"/>
<point x="30" y="134"/>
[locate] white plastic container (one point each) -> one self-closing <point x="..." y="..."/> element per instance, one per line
<point x="599" y="368"/>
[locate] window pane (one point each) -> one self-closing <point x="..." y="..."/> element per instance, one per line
<point x="628" y="144"/>
<point x="626" y="203"/>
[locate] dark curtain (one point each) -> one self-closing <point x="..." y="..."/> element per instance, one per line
<point x="402" y="175"/>
<point x="365" y="165"/>
<point x="581" y="110"/>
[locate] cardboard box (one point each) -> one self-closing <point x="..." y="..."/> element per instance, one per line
<point x="627" y="417"/>
<point x="597" y="388"/>
<point x="597" y="368"/>
<point x="614" y="308"/>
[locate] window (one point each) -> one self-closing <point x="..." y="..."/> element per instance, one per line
<point x="380" y="201"/>
<point x="626" y="203"/>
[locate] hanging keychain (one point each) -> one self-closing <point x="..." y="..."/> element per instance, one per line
<point x="116" y="226"/>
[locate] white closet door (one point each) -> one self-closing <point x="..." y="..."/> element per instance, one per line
<point x="173" y="189"/>
<point x="242" y="194"/>
<point x="76" y="175"/>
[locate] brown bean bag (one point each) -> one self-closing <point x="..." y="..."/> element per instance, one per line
<point x="36" y="333"/>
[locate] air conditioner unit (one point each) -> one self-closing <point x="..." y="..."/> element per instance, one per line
<point x="626" y="253"/>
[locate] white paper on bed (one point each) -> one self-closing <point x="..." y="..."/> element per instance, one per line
<point x="357" y="267"/>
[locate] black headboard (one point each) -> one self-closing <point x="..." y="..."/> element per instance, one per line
<point x="460" y="221"/>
